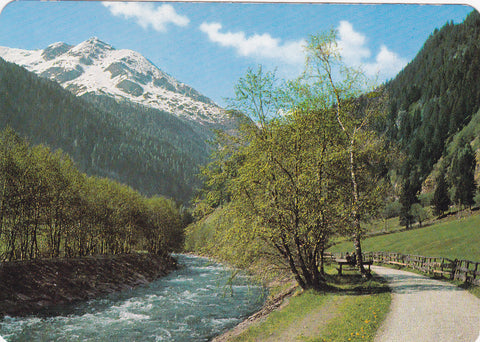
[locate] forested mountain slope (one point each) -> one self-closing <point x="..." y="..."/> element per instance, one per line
<point x="435" y="97"/>
<point x="150" y="150"/>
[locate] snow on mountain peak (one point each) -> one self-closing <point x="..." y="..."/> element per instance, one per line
<point x="92" y="46"/>
<point x="94" y="66"/>
<point x="54" y="50"/>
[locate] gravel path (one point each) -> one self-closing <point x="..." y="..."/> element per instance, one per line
<point x="427" y="310"/>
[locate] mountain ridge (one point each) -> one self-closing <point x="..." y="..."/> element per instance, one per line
<point x="96" y="67"/>
<point x="148" y="149"/>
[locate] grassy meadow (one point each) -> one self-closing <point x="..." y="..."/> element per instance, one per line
<point x="453" y="238"/>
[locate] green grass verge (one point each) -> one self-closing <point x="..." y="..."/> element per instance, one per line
<point x="351" y="305"/>
<point x="358" y="319"/>
<point x="453" y="240"/>
<point x="475" y="290"/>
<point x="298" y="308"/>
<point x="364" y="308"/>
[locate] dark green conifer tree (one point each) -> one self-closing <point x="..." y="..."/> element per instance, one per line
<point x="408" y="197"/>
<point x="461" y="174"/>
<point x="441" y="199"/>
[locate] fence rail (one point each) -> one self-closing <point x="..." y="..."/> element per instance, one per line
<point x="463" y="270"/>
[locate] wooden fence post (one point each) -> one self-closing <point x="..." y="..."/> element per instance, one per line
<point x="474" y="277"/>
<point x="464" y="270"/>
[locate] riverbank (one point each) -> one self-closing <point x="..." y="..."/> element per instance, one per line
<point x="351" y="308"/>
<point x="28" y="287"/>
<point x="196" y="302"/>
<point x="272" y="304"/>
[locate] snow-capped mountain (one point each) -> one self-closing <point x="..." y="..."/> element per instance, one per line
<point x="96" y="67"/>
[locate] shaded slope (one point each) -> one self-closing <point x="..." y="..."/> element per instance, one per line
<point x="435" y="95"/>
<point x="147" y="149"/>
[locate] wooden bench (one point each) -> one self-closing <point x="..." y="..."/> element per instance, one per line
<point x="344" y="262"/>
<point x="328" y="258"/>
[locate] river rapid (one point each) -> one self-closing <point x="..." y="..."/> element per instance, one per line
<point x="194" y="303"/>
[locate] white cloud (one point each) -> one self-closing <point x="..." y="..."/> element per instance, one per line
<point x="354" y="51"/>
<point x="352" y="44"/>
<point x="146" y="14"/>
<point x="262" y="46"/>
<point x="387" y="64"/>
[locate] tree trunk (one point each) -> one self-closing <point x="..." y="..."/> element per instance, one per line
<point x="322" y="261"/>
<point x="358" y="254"/>
<point x="357" y="235"/>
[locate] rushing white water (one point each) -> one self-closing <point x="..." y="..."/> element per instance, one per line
<point x="195" y="303"/>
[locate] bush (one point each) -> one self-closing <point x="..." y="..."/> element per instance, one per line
<point x="418" y="213"/>
<point x="392" y="209"/>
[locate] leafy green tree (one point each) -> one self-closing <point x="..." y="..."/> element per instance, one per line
<point x="418" y="213"/>
<point x="305" y="167"/>
<point x="392" y="209"/>
<point x="163" y="226"/>
<point x="15" y="203"/>
<point x="62" y="177"/>
<point x="363" y="148"/>
<point x="225" y="160"/>
<point x="283" y="186"/>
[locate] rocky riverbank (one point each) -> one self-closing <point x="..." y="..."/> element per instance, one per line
<point x="28" y="287"/>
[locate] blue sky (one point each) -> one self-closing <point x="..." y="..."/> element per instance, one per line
<point x="210" y="45"/>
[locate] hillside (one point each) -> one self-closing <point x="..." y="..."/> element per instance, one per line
<point x="148" y="149"/>
<point x="435" y="97"/>
<point x="452" y="239"/>
<point x="120" y="116"/>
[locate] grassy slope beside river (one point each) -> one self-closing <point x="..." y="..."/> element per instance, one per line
<point x="307" y="315"/>
<point x="452" y="237"/>
<point x="351" y="310"/>
<point x="27" y="287"/>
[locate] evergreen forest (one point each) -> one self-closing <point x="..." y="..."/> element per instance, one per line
<point x="433" y="119"/>
<point x="153" y="151"/>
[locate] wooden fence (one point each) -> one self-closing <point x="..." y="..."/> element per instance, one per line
<point x="463" y="270"/>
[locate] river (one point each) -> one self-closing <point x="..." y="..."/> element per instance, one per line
<point x="194" y="303"/>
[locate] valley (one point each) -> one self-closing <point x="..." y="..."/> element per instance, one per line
<point x="103" y="155"/>
<point x="156" y="147"/>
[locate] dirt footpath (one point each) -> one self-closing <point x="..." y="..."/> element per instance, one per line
<point x="427" y="310"/>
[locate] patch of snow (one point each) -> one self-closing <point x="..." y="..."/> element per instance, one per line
<point x="94" y="57"/>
